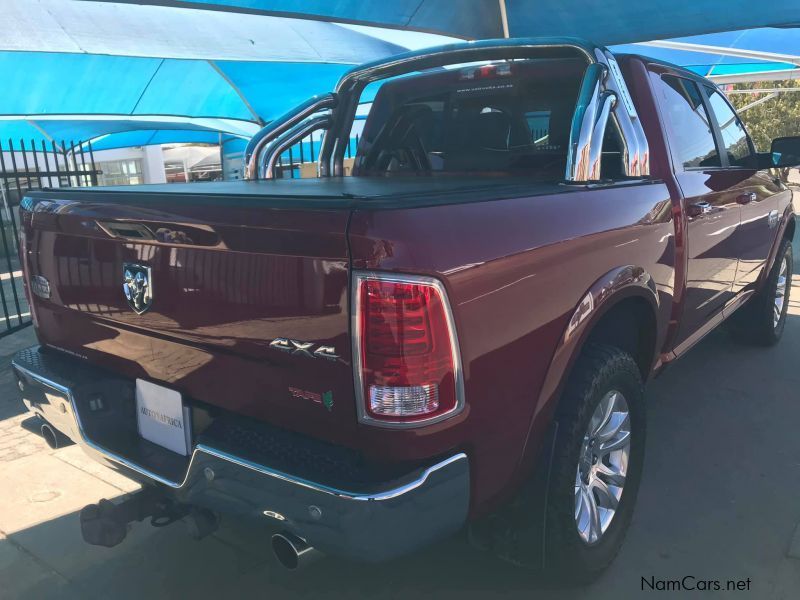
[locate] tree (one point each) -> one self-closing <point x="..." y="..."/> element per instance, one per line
<point x="777" y="117"/>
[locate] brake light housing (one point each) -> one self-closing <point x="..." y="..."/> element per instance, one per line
<point x="406" y="356"/>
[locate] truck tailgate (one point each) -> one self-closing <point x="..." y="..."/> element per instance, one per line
<point x="248" y="305"/>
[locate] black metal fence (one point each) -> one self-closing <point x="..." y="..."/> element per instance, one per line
<point x="304" y="152"/>
<point x="24" y="167"/>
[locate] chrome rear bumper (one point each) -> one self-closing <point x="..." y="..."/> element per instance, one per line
<point x="367" y="521"/>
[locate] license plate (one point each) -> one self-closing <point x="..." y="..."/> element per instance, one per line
<point x="162" y="418"/>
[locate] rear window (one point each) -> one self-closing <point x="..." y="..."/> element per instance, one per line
<point x="688" y="125"/>
<point x="503" y="118"/>
<point x="734" y="136"/>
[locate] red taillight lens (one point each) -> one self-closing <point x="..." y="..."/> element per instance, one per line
<point x="406" y="350"/>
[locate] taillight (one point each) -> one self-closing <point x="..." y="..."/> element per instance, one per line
<point x="407" y="362"/>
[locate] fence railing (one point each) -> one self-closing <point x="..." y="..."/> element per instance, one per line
<point x="25" y="167"/>
<point x="306" y="152"/>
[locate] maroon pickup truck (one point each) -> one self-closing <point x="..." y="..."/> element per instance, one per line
<point x="454" y="326"/>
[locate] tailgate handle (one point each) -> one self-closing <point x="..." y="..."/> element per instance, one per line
<point x="128" y="231"/>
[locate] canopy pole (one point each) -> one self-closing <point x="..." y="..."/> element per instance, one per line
<point x="757" y="102"/>
<point x="238" y="92"/>
<point x="221" y="157"/>
<point x="504" y="18"/>
<point x="42" y="130"/>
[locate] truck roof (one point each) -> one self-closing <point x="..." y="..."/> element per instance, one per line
<point x="672" y="66"/>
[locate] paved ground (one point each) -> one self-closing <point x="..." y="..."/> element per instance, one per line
<point x="720" y="500"/>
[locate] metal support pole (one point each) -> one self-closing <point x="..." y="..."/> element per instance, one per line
<point x="504" y="18"/>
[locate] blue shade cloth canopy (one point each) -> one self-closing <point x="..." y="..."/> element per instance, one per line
<point x="606" y="22"/>
<point x="143" y="66"/>
<point x="66" y="129"/>
<point x="748" y="55"/>
<point x="98" y="84"/>
<point x="75" y="59"/>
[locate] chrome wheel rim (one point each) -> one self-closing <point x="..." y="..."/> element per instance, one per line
<point x="780" y="292"/>
<point x="602" y="467"/>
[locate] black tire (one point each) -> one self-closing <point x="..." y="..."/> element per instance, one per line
<point x="599" y="370"/>
<point x="754" y="323"/>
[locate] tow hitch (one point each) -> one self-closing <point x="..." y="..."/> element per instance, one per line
<point x="107" y="524"/>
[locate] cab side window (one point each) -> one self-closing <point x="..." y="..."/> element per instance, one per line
<point x="734" y="137"/>
<point x="689" y="128"/>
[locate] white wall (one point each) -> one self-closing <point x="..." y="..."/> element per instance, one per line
<point x="153" y="165"/>
<point x="152" y="158"/>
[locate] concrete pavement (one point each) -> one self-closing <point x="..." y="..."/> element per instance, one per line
<point x="720" y="500"/>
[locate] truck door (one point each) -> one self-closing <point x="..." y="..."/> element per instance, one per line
<point x="755" y="191"/>
<point x="713" y="213"/>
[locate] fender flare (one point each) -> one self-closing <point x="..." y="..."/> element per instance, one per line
<point x="787" y="218"/>
<point x="615" y="286"/>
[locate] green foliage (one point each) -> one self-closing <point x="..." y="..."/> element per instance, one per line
<point x="779" y="116"/>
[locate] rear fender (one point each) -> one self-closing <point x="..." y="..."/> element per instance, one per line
<point x="616" y="285"/>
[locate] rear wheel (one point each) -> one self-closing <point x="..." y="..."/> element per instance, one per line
<point x="597" y="464"/>
<point x="762" y="320"/>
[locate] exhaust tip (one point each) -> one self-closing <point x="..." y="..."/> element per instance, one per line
<point x="292" y="551"/>
<point x="50" y="436"/>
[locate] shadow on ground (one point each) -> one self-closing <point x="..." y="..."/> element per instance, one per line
<point x="718" y="501"/>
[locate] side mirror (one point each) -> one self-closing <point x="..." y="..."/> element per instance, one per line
<point x="786" y="152"/>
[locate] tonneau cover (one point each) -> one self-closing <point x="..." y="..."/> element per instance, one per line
<point x="335" y="192"/>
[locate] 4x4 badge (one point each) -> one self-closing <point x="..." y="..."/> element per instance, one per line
<point x="299" y="348"/>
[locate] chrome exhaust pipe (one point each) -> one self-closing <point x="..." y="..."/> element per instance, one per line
<point x="292" y="551"/>
<point x="54" y="438"/>
<point x="50" y="436"/>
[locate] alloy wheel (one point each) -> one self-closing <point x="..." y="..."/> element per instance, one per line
<point x="780" y="292"/>
<point x="602" y="467"/>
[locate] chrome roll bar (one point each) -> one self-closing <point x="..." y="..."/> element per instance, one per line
<point x="277" y="146"/>
<point x="607" y="102"/>
<point x="636" y="151"/>
<point x="603" y="96"/>
<point x="352" y="83"/>
<point x="279" y="126"/>
<point x="584" y="123"/>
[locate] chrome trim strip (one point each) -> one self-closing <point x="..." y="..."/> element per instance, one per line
<point x="376" y="497"/>
<point x="363" y="417"/>
<point x="224" y="456"/>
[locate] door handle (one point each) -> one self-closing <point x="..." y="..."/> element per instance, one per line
<point x="698" y="209"/>
<point x="746" y="198"/>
